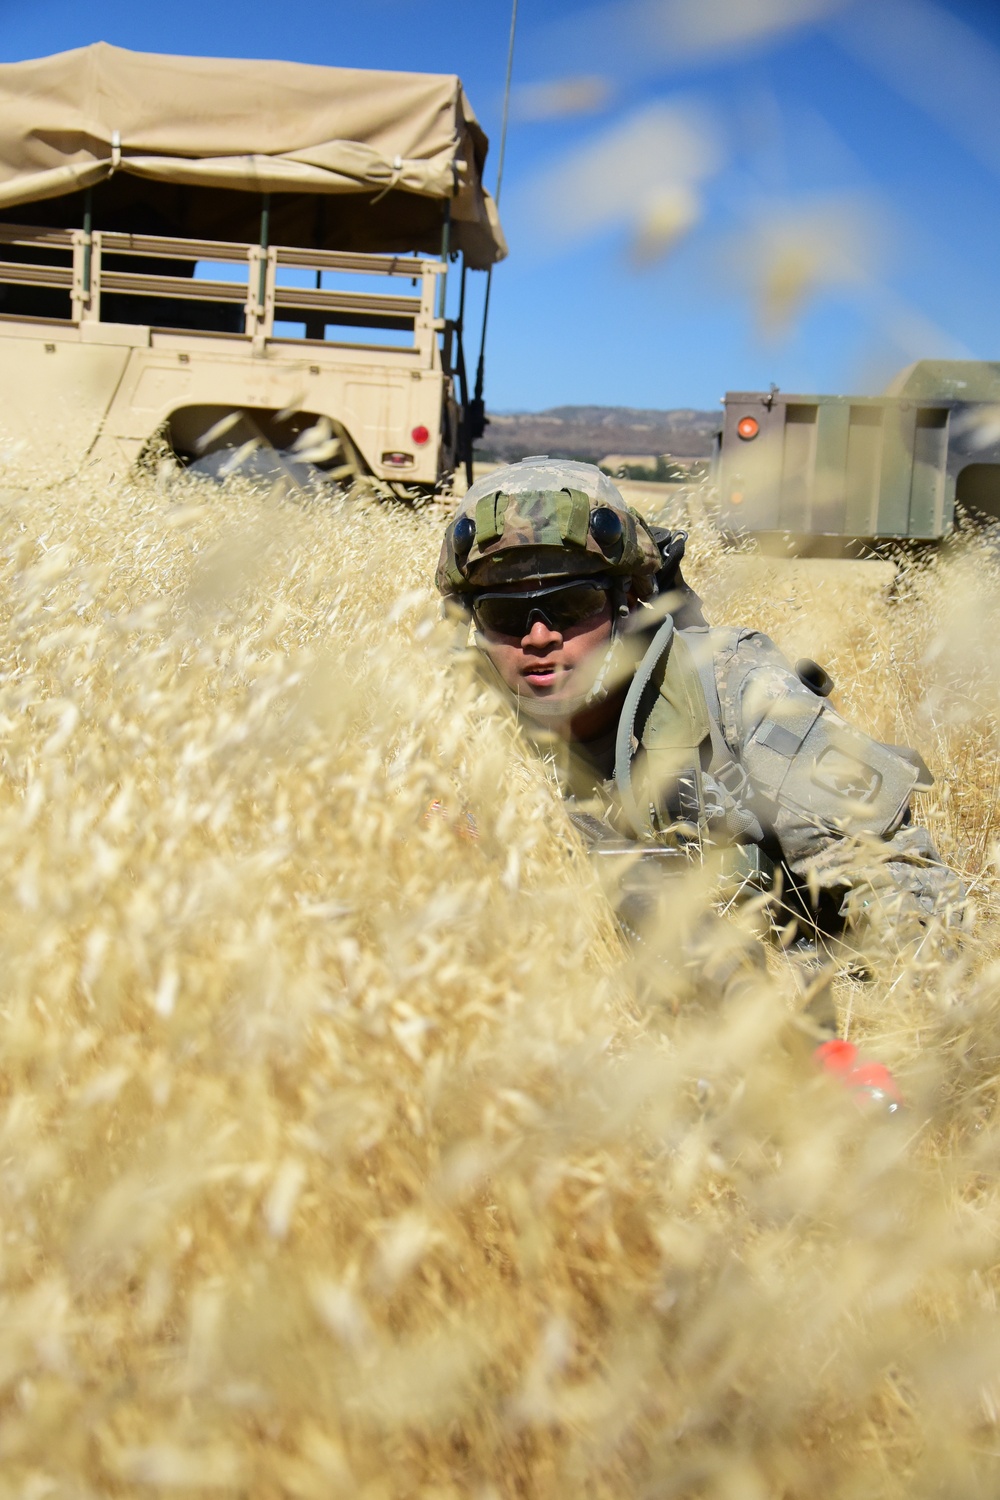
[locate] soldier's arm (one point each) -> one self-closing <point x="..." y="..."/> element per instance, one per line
<point x="836" y="800"/>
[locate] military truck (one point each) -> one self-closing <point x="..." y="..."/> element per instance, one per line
<point x="220" y="254"/>
<point x="838" y="475"/>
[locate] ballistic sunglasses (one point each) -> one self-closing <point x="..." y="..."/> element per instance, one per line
<point x="560" y="607"/>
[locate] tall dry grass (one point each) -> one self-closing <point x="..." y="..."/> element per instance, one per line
<point x="339" y="1154"/>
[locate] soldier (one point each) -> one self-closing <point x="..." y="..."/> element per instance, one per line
<point x="673" y="736"/>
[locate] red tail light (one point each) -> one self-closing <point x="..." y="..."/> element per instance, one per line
<point x="748" y="427"/>
<point x="420" y="435"/>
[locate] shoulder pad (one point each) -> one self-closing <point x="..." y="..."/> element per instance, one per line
<point x="805" y="757"/>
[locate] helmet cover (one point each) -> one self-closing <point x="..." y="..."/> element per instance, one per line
<point x="540" y="519"/>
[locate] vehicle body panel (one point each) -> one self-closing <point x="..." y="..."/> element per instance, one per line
<point x="120" y="326"/>
<point x="864" y="468"/>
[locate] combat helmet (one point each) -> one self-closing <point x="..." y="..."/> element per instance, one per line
<point x="546" y="518"/>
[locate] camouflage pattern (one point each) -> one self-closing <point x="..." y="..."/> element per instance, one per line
<point x="531" y="521"/>
<point x="730" y="743"/>
<point x="892" y="887"/>
<point x="836" y="801"/>
<point x="769" y="761"/>
<point x="810" y="775"/>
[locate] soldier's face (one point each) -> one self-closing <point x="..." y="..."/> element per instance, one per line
<point x="548" y="661"/>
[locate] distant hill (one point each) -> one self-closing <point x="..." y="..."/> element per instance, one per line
<point x="592" y="432"/>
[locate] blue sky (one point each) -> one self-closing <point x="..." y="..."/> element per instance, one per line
<point x="699" y="195"/>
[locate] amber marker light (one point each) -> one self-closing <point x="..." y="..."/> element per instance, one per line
<point x="748" y="427"/>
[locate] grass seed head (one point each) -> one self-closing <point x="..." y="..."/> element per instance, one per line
<point x="346" y="1149"/>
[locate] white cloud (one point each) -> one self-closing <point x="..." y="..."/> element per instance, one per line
<point x="627" y="174"/>
<point x="936" y="61"/>
<point x="562" y="98"/>
<point x="643" y="36"/>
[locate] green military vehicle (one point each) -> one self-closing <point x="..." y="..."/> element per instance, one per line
<point x="236" y="256"/>
<point x="838" y="475"/>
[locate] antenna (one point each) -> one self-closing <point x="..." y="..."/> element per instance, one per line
<point x="476" y="419"/>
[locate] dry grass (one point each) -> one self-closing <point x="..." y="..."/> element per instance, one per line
<point x="338" y="1155"/>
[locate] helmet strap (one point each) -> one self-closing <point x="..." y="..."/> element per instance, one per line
<point x="618" y="599"/>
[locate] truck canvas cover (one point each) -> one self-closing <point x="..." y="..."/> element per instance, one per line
<point x="357" y="159"/>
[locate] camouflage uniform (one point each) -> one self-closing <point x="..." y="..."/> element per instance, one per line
<point x="720" y="744"/>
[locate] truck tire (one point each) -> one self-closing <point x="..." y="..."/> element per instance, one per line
<point x="264" y="466"/>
